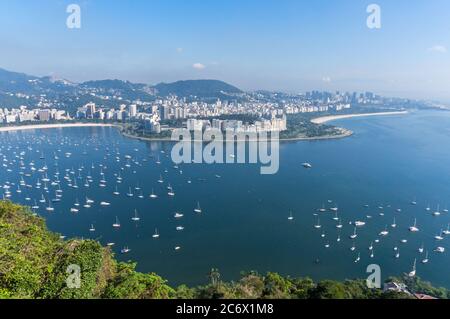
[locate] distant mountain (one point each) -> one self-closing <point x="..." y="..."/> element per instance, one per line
<point x="112" y="85"/>
<point x="14" y="82"/>
<point x="127" y="90"/>
<point x="22" y="89"/>
<point x="199" y="88"/>
<point x="8" y="76"/>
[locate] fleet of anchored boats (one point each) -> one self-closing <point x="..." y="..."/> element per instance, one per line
<point x="40" y="180"/>
<point x="333" y="212"/>
<point x="28" y="170"/>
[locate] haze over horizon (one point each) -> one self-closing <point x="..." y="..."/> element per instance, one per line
<point x="291" y="46"/>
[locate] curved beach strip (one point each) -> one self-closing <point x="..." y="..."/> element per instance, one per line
<point x="49" y="126"/>
<point x="325" y="119"/>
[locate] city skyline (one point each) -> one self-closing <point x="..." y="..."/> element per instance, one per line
<point x="290" y="46"/>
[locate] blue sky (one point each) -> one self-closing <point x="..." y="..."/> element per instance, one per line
<point x="286" y="45"/>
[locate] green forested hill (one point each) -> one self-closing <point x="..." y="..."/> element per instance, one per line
<point x="34" y="262"/>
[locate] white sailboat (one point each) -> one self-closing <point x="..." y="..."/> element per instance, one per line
<point x="49" y="207"/>
<point x="125" y="250"/>
<point x="414" y="228"/>
<point x="35" y="206"/>
<point x="130" y="193"/>
<point x="199" y="210"/>
<point x="323" y="209"/>
<point x="117" y="223"/>
<point x="171" y="193"/>
<point x="354" y="235"/>
<point x="394" y="224"/>
<point x="156" y="234"/>
<point x="447" y="231"/>
<point x="92" y="229"/>
<point x="437" y="212"/>
<point x="336" y="217"/>
<point x="153" y="195"/>
<point x="412" y="273"/>
<point x="358" y="258"/>
<point x="318" y="226"/>
<point x="334" y="209"/>
<point x="439" y="237"/>
<point x="440" y="250"/>
<point x="359" y="223"/>
<point x="421" y="249"/>
<point x="178" y="215"/>
<point x="135" y="218"/>
<point x="384" y="233"/>
<point x="425" y="260"/>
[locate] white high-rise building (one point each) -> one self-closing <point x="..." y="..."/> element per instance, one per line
<point x="133" y="110"/>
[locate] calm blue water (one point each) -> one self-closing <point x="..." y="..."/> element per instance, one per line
<point x="389" y="162"/>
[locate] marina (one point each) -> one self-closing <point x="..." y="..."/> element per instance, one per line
<point x="327" y="221"/>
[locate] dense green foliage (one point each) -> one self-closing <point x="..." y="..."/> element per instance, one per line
<point x="300" y="126"/>
<point x="34" y="263"/>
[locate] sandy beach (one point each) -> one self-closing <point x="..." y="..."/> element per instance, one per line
<point x="49" y="126"/>
<point x="325" y="119"/>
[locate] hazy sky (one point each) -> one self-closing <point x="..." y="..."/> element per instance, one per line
<point x="254" y="44"/>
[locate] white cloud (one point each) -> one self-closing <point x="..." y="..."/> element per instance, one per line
<point x="180" y="50"/>
<point x="199" y="66"/>
<point x="326" y="79"/>
<point x="438" y="48"/>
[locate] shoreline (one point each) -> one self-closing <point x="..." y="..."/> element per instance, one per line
<point x="318" y="121"/>
<point x="345" y="132"/>
<point x="329" y="118"/>
<point x="50" y="126"/>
